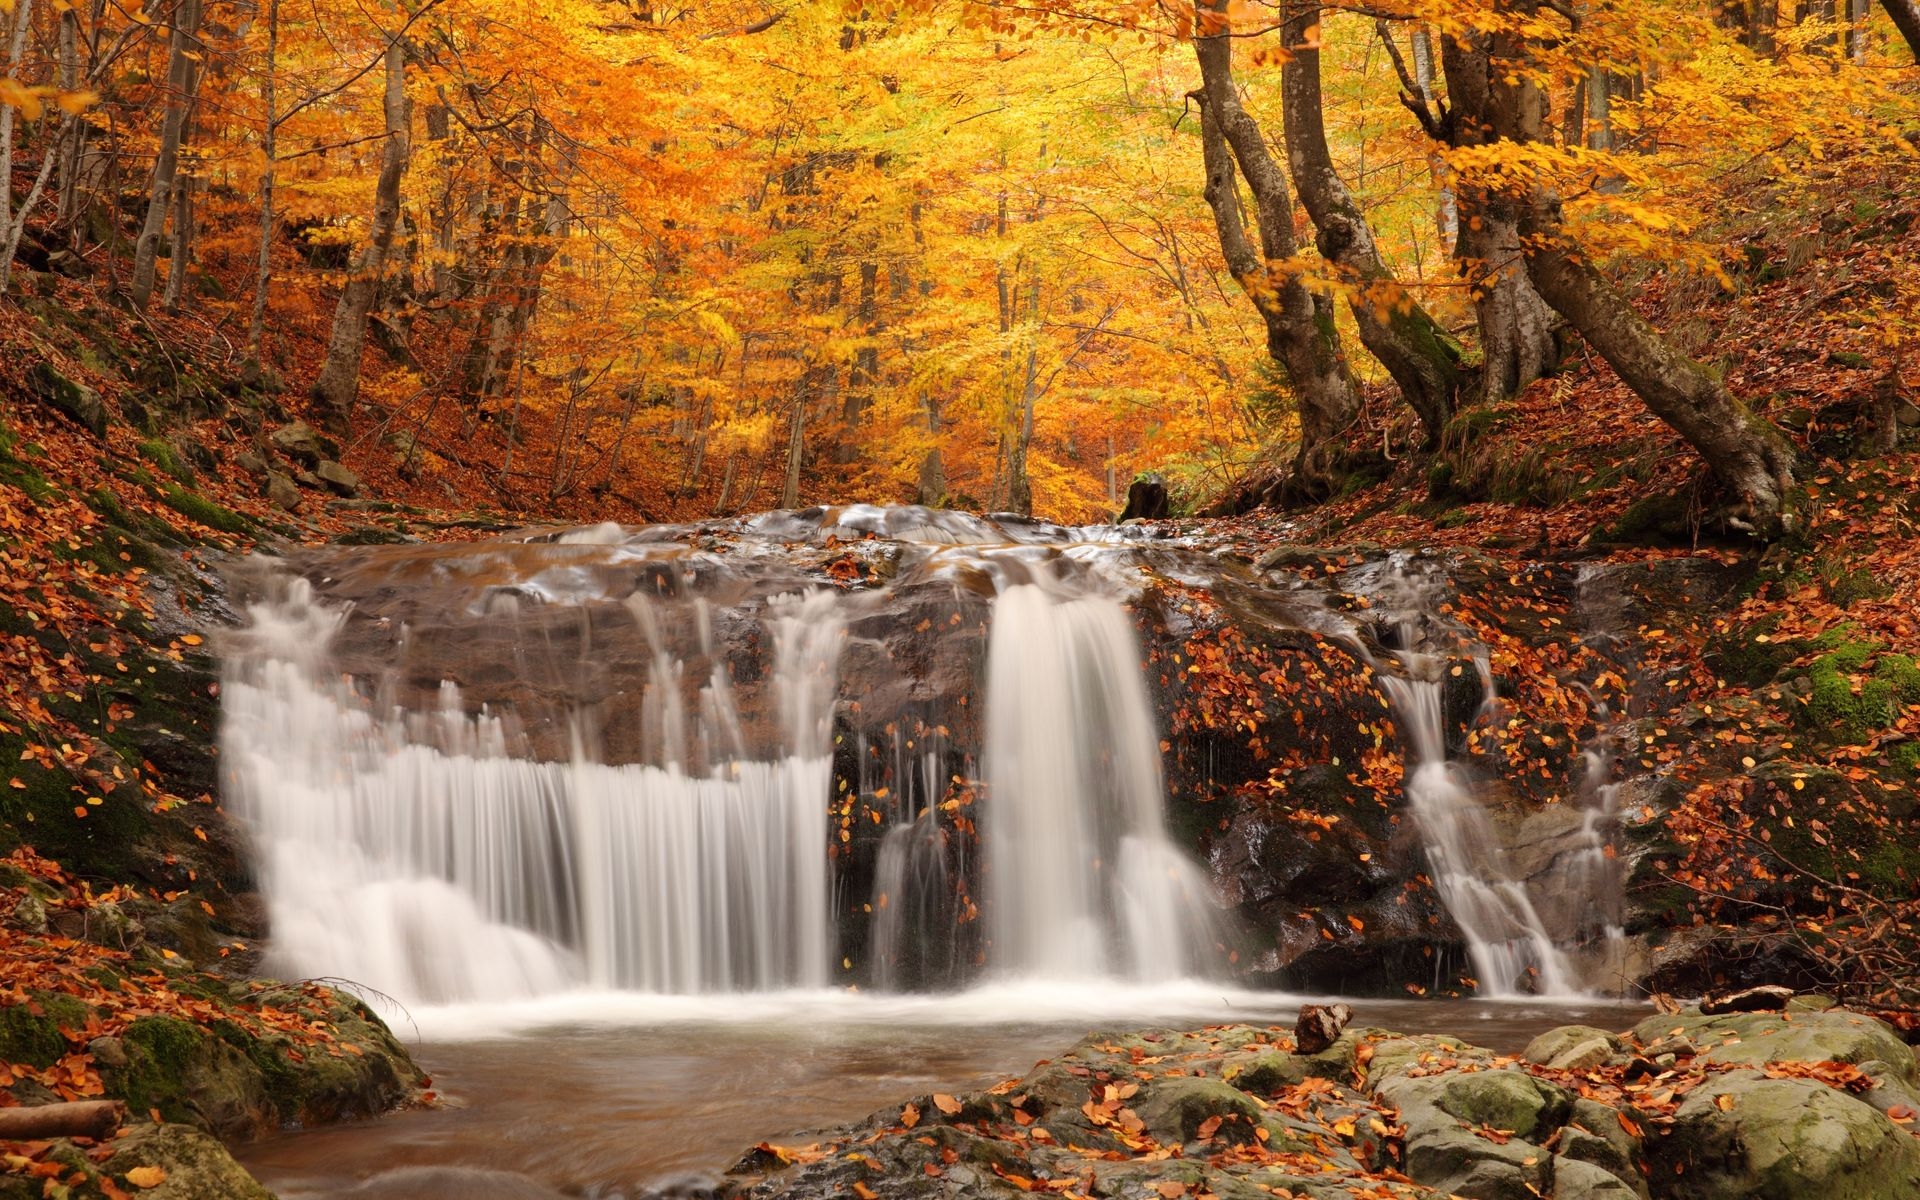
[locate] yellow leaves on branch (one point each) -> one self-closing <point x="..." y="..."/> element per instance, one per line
<point x="32" y="101"/>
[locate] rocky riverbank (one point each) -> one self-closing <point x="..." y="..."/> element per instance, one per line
<point x="1812" y="1101"/>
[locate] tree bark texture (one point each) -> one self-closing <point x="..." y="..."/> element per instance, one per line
<point x="1906" y="18"/>
<point x="339" y="382"/>
<point x="181" y="71"/>
<point x="1748" y="455"/>
<point x="1301" y="337"/>
<point x="1408" y="342"/>
<point x="1516" y="325"/>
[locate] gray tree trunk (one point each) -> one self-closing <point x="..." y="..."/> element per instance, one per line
<point x="1906" y="18"/>
<point x="339" y="382"/>
<point x="1414" y="349"/>
<point x="1516" y="325"/>
<point x="181" y="72"/>
<point x="1750" y="457"/>
<point x="1301" y="337"/>
<point x="269" y="147"/>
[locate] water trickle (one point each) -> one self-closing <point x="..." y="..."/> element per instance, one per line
<point x="1082" y="880"/>
<point x="1505" y="936"/>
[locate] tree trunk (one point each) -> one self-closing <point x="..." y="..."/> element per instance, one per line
<point x="933" y="468"/>
<point x="1019" y="484"/>
<point x="14" y="223"/>
<point x="1516" y="326"/>
<point x="1301" y="337"/>
<point x="1750" y="457"/>
<point x="182" y="253"/>
<point x="181" y="71"/>
<point x="1414" y="349"/>
<point x="79" y="1118"/>
<point x="1906" y="18"/>
<point x="797" y="441"/>
<point x="339" y="381"/>
<point x="269" y="144"/>
<point x="865" y="371"/>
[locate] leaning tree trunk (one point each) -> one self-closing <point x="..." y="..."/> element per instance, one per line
<point x="1906" y="18"/>
<point x="181" y="66"/>
<point x="1517" y="344"/>
<point x="1416" y="352"/>
<point x="269" y="169"/>
<point x="1300" y="325"/>
<point x="339" y="381"/>
<point x="1749" y="456"/>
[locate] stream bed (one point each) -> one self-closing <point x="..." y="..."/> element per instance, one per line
<point x="625" y="1096"/>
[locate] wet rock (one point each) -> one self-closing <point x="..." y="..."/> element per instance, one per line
<point x="1743" y="1136"/>
<point x="1572" y="1048"/>
<point x="1751" y="1039"/>
<point x="338" y="478"/>
<point x="76" y="401"/>
<point x="469" y="1183"/>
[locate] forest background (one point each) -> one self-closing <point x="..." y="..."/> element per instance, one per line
<point x="646" y="262"/>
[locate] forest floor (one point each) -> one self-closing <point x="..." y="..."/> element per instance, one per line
<point x="130" y="447"/>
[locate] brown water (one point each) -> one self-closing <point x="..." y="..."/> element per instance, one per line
<point x="627" y="1112"/>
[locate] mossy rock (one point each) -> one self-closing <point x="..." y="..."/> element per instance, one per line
<point x="186" y="1074"/>
<point x="35" y="1038"/>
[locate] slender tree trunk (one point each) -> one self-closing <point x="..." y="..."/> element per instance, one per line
<point x="181" y="71"/>
<point x="1301" y="336"/>
<point x="269" y="171"/>
<point x="339" y="382"/>
<point x="1858" y="12"/>
<point x="1416" y="352"/>
<point x="797" y="441"/>
<point x="1750" y="457"/>
<point x="865" y="371"/>
<point x="1906" y="18"/>
<point x="1516" y="325"/>
<point x="1019" y="484"/>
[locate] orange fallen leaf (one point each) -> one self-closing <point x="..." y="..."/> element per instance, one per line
<point x="945" y="1103"/>
<point x="147" y="1177"/>
<point x="910" y="1116"/>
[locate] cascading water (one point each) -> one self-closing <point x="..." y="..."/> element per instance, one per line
<point x="416" y="855"/>
<point x="693" y="760"/>
<point x="1520" y="940"/>
<point x="1505" y="936"/>
<point x="1082" y="879"/>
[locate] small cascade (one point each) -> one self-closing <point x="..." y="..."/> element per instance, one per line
<point x="1505" y="936"/>
<point x="415" y="854"/>
<point x="1081" y="877"/>
<point x="1512" y="948"/>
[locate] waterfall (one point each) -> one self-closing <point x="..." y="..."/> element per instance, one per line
<point x="418" y="857"/>
<point x="1505" y="936"/>
<point x="1081" y="877"/>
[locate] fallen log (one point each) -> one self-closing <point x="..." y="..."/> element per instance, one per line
<point x="81" y="1118"/>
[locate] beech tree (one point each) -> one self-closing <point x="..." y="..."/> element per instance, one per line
<point x="1417" y="353"/>
<point x="339" y="381"/>
<point x="1301" y="336"/>
<point x="1749" y="456"/>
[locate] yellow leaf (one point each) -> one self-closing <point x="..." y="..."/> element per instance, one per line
<point x="73" y="104"/>
<point x="146" y="1177"/>
<point x="14" y="94"/>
